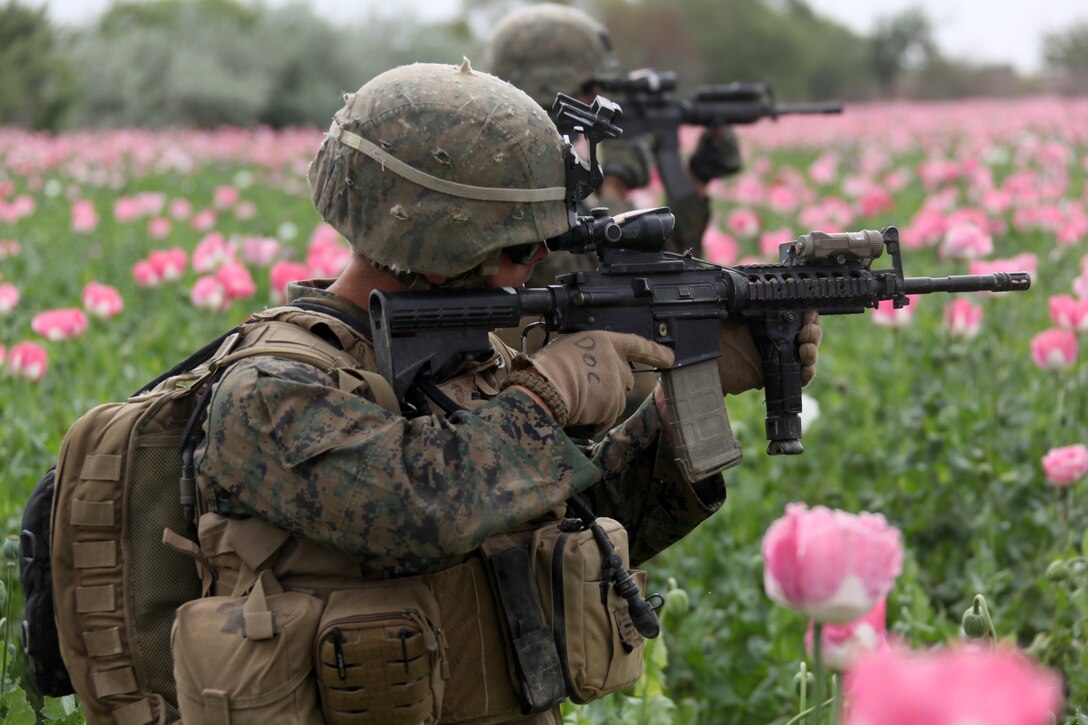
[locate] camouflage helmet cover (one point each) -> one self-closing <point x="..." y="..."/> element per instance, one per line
<point x="453" y="130"/>
<point x="547" y="49"/>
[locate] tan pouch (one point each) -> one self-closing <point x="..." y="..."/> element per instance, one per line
<point x="600" y="650"/>
<point x="246" y="660"/>
<point x="380" y="655"/>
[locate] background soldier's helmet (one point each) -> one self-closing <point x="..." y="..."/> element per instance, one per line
<point x="547" y="49"/>
<point x="432" y="169"/>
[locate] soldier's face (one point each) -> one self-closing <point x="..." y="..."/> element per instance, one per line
<point x="516" y="275"/>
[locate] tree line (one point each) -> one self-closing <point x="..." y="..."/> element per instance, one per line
<point x="204" y="63"/>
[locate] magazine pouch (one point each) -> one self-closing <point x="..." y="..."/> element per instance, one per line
<point x="380" y="655"/>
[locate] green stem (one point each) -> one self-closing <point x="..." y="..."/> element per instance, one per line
<point x="817" y="656"/>
<point x="836" y="708"/>
<point x="804" y="687"/>
<point x="8" y="566"/>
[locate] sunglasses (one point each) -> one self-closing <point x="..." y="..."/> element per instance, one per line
<point x="522" y="253"/>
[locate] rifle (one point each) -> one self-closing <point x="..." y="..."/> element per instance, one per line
<point x="650" y="109"/>
<point x="678" y="301"/>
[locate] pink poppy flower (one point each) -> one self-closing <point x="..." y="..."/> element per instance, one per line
<point x="144" y="274"/>
<point x="885" y="314"/>
<point x="744" y="223"/>
<point x="782" y="199"/>
<point x="1066" y="465"/>
<point x="181" y="209"/>
<point x="842" y="644"/>
<point x="62" y="324"/>
<point x="963" y="318"/>
<point x="719" y="247"/>
<point x="1080" y="286"/>
<point x="28" y="360"/>
<point x="966" y="241"/>
<point x="126" y="209"/>
<point x="245" y="210"/>
<point x="208" y="294"/>
<point x="226" y="196"/>
<point x="825" y="169"/>
<point x="9" y="297"/>
<point x="211" y="253"/>
<point x="203" y="220"/>
<point x="1054" y="349"/>
<point x="158" y="227"/>
<point x="1068" y="313"/>
<point x="84" y="216"/>
<point x="236" y="280"/>
<point x="327" y="257"/>
<point x="875" y="200"/>
<point x="260" y="251"/>
<point x="951" y="686"/>
<point x="168" y="264"/>
<point x="101" y="300"/>
<point x="151" y="202"/>
<point x="282" y="273"/>
<point x="830" y="565"/>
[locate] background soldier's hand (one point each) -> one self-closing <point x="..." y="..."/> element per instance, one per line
<point x="717" y="154"/>
<point x="591" y="372"/>
<point x="740" y="366"/>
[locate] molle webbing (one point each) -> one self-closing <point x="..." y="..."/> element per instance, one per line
<point x="116" y="585"/>
<point x="480" y="682"/>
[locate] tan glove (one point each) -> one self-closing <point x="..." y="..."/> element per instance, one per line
<point x="590" y="372"/>
<point x="808" y="345"/>
<point x="740" y="366"/>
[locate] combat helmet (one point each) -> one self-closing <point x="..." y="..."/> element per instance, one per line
<point x="547" y="49"/>
<point x="432" y="169"/>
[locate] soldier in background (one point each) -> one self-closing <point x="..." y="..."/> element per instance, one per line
<point x="305" y="474"/>
<point x="546" y="49"/>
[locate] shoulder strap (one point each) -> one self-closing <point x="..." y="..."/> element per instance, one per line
<point x="283" y="339"/>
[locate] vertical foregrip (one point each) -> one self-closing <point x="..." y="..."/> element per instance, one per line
<point x="776" y="338"/>
<point x="698" y="424"/>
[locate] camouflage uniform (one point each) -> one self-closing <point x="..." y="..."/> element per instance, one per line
<point x="284" y="444"/>
<point x="429" y="171"/>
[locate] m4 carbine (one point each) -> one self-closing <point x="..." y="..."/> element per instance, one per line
<point x="678" y="301"/>
<point x="650" y="109"/>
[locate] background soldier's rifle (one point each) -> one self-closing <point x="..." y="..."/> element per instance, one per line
<point x="650" y="109"/>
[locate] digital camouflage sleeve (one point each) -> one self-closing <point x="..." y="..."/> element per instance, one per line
<point x="286" y="445"/>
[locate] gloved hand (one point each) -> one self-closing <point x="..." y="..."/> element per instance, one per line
<point x="590" y="372"/>
<point x="740" y="366"/>
<point x="717" y="154"/>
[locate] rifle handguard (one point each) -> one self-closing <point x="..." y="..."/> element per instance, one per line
<point x="698" y="422"/>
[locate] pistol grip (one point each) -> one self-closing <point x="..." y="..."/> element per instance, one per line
<point x="698" y="423"/>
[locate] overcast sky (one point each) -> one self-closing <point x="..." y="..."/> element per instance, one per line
<point x="996" y="31"/>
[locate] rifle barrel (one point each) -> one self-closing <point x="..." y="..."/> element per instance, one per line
<point x="827" y="107"/>
<point x="997" y="282"/>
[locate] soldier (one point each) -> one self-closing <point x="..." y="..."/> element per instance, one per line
<point x="546" y="49"/>
<point x="439" y="177"/>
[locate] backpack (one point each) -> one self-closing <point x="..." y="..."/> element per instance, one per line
<point x="97" y="568"/>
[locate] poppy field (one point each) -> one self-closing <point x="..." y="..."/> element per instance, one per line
<point x="932" y="534"/>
